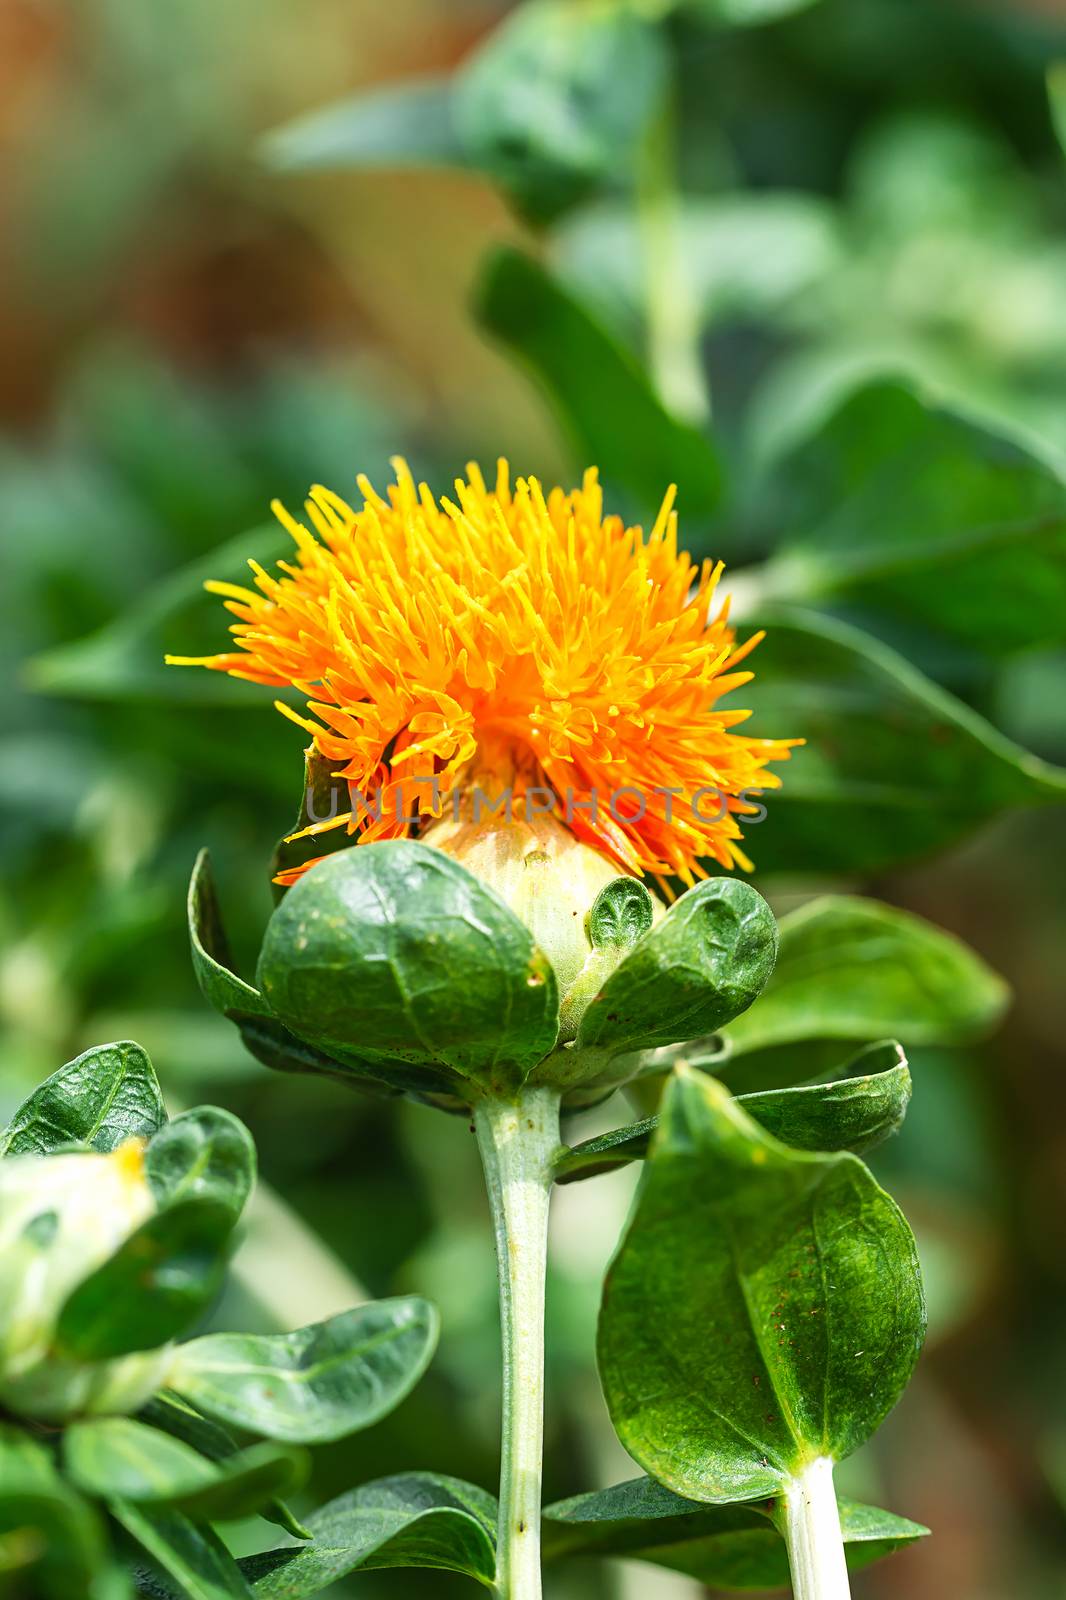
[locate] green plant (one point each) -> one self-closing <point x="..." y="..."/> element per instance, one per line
<point x="755" y="1261"/>
<point x="894" y="517"/>
<point x="116" y="1453"/>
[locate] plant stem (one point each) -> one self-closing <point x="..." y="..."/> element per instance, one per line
<point x="672" y="314"/>
<point x="517" y="1140"/>
<point x="812" y="1532"/>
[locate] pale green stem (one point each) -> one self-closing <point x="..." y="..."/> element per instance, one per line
<point x="812" y="1533"/>
<point x="670" y="307"/>
<point x="517" y="1140"/>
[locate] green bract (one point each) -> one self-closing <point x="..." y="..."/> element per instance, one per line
<point x="396" y="951"/>
<point x="697" y="968"/>
<point x="393" y="967"/>
<point x="704" y="964"/>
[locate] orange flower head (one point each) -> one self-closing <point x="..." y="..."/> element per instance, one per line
<point x="516" y="636"/>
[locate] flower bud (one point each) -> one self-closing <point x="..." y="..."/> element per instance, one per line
<point x="547" y="877"/>
<point x="61" y="1217"/>
<point x="543" y="872"/>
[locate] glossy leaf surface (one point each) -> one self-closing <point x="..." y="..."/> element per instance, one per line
<point x="263" y="1036"/>
<point x="397" y="952"/>
<point x="170" y="1413"/>
<point x="318" y="1383"/>
<point x="163" y="1276"/>
<point x="109" y="1456"/>
<point x="795" y="1269"/>
<point x="107" y="1094"/>
<point x="417" y="1519"/>
<point x="211" y="957"/>
<point x="206" y="1153"/>
<point x="699" y="966"/>
<point x="191" y="1554"/>
<point x="728" y="1547"/>
<point x="854" y="1113"/>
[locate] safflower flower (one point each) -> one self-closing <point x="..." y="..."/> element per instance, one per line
<point x="510" y="639"/>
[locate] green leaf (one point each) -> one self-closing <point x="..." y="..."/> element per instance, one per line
<point x="190" y="1553"/>
<point x="119" y="1456"/>
<point x="620" y="914"/>
<point x="107" y="1094"/>
<point x="894" y="767"/>
<point x="403" y="124"/>
<point x="855" y="1113"/>
<point x="318" y="1383"/>
<point x="727" y="1546"/>
<point x="537" y="107"/>
<point x="699" y="966"/>
<point x="849" y="968"/>
<point x="396" y="951"/>
<point x="160" y="1279"/>
<point x="416" y="1519"/>
<point x="53" y="1539"/>
<point x="796" y="1270"/>
<point x="915" y="512"/>
<point x="251" y="1483"/>
<point x="206" y="1153"/>
<point x="175" y="1416"/>
<point x="603" y="399"/>
<point x="124" y="660"/>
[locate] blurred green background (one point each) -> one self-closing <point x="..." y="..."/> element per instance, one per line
<point x="870" y="187"/>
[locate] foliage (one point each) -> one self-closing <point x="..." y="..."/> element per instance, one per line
<point x="754" y="1219"/>
<point x="83" y="1342"/>
<point x="863" y="212"/>
<point x="797" y="1269"/>
<point x="729" y="1547"/>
